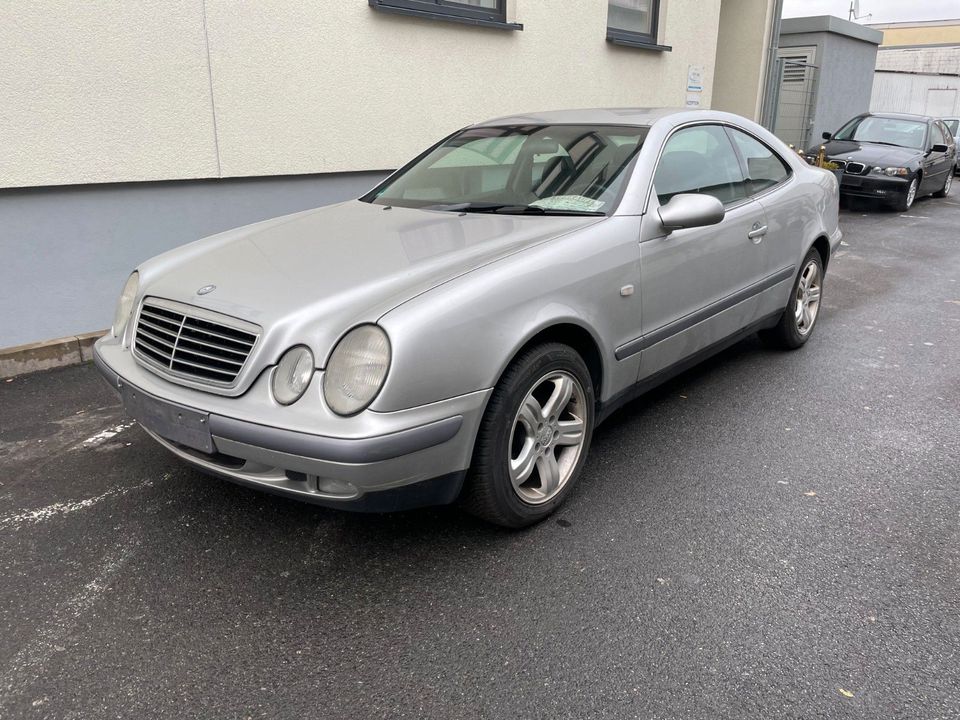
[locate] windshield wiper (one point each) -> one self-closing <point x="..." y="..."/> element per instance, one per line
<point x="510" y="209"/>
<point x="881" y="142"/>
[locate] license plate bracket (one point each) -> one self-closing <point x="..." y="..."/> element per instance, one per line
<point x="168" y="420"/>
<point x="851" y="181"/>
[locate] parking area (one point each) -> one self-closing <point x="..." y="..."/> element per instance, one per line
<point x="771" y="535"/>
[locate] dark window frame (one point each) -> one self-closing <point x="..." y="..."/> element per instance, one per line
<point x="630" y="38"/>
<point x="449" y="10"/>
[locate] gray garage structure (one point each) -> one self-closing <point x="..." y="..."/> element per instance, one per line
<point x="827" y="66"/>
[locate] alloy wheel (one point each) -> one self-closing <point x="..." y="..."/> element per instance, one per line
<point x="948" y="184"/>
<point x="548" y="436"/>
<point x="911" y="193"/>
<point x="807" y="303"/>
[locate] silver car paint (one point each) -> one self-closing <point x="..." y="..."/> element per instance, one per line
<point x="459" y="296"/>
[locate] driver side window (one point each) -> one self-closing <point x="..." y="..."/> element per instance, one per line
<point x="700" y="159"/>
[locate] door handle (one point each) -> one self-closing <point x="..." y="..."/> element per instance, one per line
<point x="757" y="233"/>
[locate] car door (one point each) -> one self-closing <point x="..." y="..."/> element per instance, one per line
<point x="768" y="182"/>
<point x="695" y="282"/>
<point x="935" y="164"/>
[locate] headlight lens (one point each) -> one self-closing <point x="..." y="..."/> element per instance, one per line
<point x="892" y="171"/>
<point x="291" y="378"/>
<point x="357" y="370"/>
<point x="125" y="304"/>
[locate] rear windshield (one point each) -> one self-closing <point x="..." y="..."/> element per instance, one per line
<point x="547" y="169"/>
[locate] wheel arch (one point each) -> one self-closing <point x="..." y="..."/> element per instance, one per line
<point x="571" y="333"/>
<point x="822" y="245"/>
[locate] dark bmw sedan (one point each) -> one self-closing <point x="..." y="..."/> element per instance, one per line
<point x="892" y="157"/>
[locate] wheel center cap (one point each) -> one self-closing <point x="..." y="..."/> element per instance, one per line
<point x="546" y="435"/>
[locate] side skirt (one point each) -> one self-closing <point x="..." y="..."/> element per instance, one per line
<point x="647" y="384"/>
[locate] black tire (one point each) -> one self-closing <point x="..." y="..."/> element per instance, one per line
<point x="489" y="493"/>
<point x="786" y="334"/>
<point x="945" y="190"/>
<point x="904" y="202"/>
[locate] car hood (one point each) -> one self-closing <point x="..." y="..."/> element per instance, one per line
<point x="870" y="154"/>
<point x="309" y="277"/>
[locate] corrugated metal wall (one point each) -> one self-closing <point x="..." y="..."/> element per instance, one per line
<point x="937" y="95"/>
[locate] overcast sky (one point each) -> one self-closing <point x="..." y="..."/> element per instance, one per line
<point x="883" y="10"/>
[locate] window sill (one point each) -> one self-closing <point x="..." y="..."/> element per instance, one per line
<point x="636" y="42"/>
<point x="445" y="17"/>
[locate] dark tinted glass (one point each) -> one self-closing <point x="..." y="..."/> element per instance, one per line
<point x="700" y="159"/>
<point x="764" y="167"/>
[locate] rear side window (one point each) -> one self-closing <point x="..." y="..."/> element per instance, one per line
<point x="699" y="159"/>
<point x="764" y="167"/>
<point x="952" y="126"/>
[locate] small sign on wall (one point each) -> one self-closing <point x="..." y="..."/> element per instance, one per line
<point x="694" y="85"/>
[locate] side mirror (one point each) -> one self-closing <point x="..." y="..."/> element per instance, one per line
<point x="690" y="211"/>
<point x="939" y="148"/>
<point x="827" y="136"/>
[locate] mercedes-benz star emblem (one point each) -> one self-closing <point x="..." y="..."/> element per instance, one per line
<point x="206" y="289"/>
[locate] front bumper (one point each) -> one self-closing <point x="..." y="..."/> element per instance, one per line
<point x="377" y="461"/>
<point x="873" y="186"/>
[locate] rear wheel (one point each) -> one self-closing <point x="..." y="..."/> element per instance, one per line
<point x="534" y="438"/>
<point x="800" y="316"/>
<point x="947" y="184"/>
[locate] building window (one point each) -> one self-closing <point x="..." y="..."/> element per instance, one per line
<point x="634" y="23"/>
<point x="489" y="13"/>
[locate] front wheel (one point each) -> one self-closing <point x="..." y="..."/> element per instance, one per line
<point x="800" y="316"/>
<point x="905" y="201"/>
<point x="534" y="438"/>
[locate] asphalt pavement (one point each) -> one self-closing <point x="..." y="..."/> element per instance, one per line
<point x="771" y="535"/>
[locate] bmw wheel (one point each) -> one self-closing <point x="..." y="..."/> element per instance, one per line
<point x="947" y="184"/>
<point x="905" y="201"/>
<point x="534" y="438"/>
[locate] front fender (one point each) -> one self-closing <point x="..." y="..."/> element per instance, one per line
<point x="459" y="337"/>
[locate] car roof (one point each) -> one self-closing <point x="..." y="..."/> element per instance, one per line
<point x="588" y="116"/>
<point x="901" y="116"/>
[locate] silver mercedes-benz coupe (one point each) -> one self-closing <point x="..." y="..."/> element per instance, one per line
<point x="459" y="331"/>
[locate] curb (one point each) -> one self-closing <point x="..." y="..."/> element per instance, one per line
<point x="33" y="357"/>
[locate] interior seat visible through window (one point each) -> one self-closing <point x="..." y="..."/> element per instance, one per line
<point x="700" y="159"/>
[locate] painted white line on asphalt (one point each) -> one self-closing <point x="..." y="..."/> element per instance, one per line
<point x="916" y="217"/>
<point x="104" y="435"/>
<point x="28" y="665"/>
<point x="32" y="517"/>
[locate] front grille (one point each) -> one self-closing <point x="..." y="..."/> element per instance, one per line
<point x="192" y="343"/>
<point x="841" y="165"/>
<point x="855" y="168"/>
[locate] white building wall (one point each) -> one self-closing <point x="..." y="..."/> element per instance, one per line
<point x="102" y="92"/>
<point x="912" y="93"/>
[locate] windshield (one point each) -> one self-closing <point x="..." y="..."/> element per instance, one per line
<point x="952" y="126"/>
<point x="885" y="131"/>
<point x="520" y="169"/>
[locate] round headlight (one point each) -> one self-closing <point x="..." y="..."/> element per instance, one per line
<point x="357" y="370"/>
<point x="292" y="375"/>
<point x="125" y="304"/>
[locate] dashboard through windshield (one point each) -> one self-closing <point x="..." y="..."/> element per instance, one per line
<point x="519" y="169"/>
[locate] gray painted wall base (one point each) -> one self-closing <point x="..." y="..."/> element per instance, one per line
<point x="65" y="252"/>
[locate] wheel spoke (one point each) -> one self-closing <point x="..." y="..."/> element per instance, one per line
<point x="562" y="391"/>
<point x="522" y="467"/>
<point x="813" y="295"/>
<point x="531" y="414"/>
<point x="571" y="432"/>
<point x="807" y="317"/>
<point x="549" y="472"/>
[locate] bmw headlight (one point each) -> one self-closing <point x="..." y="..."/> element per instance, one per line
<point x="291" y="377"/>
<point x="891" y="171"/>
<point x="357" y="370"/>
<point x="125" y="304"/>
